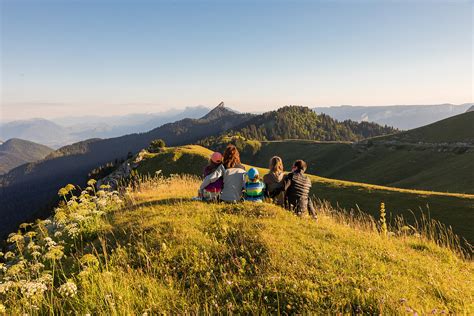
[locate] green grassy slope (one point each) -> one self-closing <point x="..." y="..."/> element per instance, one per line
<point x="157" y="252"/>
<point x="456" y="210"/>
<point x="453" y="129"/>
<point x="404" y="166"/>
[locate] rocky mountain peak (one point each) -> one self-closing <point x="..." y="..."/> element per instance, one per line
<point x="218" y="112"/>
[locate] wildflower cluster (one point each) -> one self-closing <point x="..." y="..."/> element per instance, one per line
<point x="34" y="261"/>
<point x="383" y="220"/>
<point x="68" y="289"/>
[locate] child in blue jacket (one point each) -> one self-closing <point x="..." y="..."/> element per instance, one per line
<point x="254" y="189"/>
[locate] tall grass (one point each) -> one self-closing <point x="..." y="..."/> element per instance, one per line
<point x="149" y="249"/>
<point x="424" y="228"/>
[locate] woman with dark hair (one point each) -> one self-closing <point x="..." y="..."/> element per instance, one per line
<point x="233" y="174"/>
<point x="297" y="186"/>
<point x="274" y="181"/>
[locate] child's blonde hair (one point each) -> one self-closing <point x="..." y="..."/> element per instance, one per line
<point x="276" y="165"/>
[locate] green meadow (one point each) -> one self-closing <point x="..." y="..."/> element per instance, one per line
<point x="154" y="251"/>
<point x="452" y="209"/>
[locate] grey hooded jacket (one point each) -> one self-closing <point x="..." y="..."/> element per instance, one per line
<point x="234" y="180"/>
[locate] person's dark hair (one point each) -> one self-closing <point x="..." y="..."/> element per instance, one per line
<point x="300" y="165"/>
<point x="231" y="157"/>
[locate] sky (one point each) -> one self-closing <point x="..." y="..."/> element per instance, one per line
<point x="69" y="57"/>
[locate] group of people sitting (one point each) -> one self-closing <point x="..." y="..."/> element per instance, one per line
<point x="226" y="180"/>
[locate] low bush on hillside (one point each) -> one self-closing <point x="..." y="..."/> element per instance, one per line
<point x="244" y="145"/>
<point x="156" y="146"/>
<point x="153" y="250"/>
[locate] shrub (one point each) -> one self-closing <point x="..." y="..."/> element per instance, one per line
<point x="156" y="146"/>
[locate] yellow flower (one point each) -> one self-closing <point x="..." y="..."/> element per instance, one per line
<point x="89" y="260"/>
<point x="62" y="192"/>
<point x="3" y="309"/>
<point x="15" y="238"/>
<point x="54" y="253"/>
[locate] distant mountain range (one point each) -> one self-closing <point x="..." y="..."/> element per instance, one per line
<point x="15" y="152"/>
<point x="59" y="132"/>
<point x="68" y="130"/>
<point x="72" y="163"/>
<point x="399" y="116"/>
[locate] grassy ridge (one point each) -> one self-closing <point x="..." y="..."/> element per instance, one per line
<point x="454" y="129"/>
<point x="403" y="167"/>
<point x="454" y="210"/>
<point x="159" y="252"/>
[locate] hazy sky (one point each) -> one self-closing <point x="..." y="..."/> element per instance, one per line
<point x="71" y="57"/>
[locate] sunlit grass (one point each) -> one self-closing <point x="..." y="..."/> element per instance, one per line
<point x="156" y="251"/>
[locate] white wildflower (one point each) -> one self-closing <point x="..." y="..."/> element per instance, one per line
<point x="49" y="242"/>
<point x="46" y="222"/>
<point x="32" y="289"/>
<point x="68" y="289"/>
<point x="37" y="267"/>
<point x="58" y="234"/>
<point x="36" y="254"/>
<point x="46" y="278"/>
<point x="5" y="287"/>
<point x="72" y="230"/>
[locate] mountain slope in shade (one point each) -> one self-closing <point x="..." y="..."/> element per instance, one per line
<point x="71" y="164"/>
<point x="400" y="116"/>
<point x="15" y="152"/>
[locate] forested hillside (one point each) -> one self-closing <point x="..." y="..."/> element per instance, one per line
<point x="297" y="122"/>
